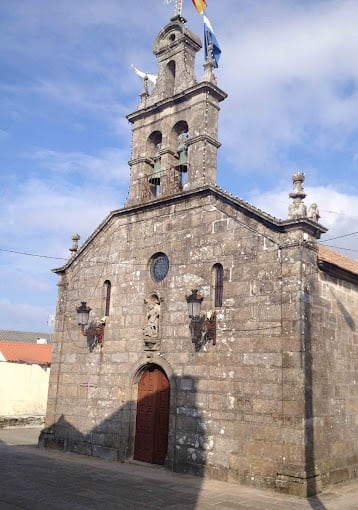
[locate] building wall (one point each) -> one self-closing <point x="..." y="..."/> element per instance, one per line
<point x="236" y="407"/>
<point x="335" y="377"/>
<point x="23" y="389"/>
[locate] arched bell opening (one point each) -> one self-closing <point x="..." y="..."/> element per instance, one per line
<point x="179" y="142"/>
<point x="153" y="149"/>
<point x="170" y="72"/>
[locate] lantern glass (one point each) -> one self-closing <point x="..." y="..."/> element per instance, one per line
<point x="196" y="307"/>
<point x="190" y="308"/>
<point x="83" y="314"/>
<point x="194" y="304"/>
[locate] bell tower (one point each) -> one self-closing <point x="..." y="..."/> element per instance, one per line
<point x="174" y="129"/>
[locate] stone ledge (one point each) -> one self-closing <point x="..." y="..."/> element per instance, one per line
<point x="299" y="482"/>
<point x="21" y="421"/>
<point x="48" y="440"/>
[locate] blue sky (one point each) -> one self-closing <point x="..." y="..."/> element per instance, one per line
<point x="290" y="68"/>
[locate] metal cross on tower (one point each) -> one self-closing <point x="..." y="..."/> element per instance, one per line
<point x="179" y="7"/>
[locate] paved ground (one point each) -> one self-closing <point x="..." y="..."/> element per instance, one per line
<point x="36" y="479"/>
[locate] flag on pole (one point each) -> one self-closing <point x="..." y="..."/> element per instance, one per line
<point x="210" y="40"/>
<point x="200" y="5"/>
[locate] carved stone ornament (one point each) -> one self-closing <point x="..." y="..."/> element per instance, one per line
<point x="151" y="329"/>
<point x="298" y="208"/>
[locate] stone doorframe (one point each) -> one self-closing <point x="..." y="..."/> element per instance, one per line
<point x="135" y="373"/>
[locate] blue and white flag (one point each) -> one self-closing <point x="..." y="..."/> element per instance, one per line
<point x="210" y="40"/>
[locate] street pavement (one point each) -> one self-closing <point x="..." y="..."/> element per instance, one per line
<point x="33" y="478"/>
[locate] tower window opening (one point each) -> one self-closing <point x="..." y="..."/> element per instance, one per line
<point x="106" y="297"/>
<point x="154" y="144"/>
<point x="179" y="143"/>
<point x="181" y="178"/>
<point x="217" y="285"/>
<point x="170" y="78"/>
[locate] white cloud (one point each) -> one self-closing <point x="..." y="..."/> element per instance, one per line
<point x="3" y="135"/>
<point x="24" y="317"/>
<point x="41" y="213"/>
<point x="287" y="73"/>
<point x="111" y="165"/>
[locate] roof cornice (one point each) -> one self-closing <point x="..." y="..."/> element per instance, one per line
<point x="337" y="271"/>
<point x="280" y="226"/>
<point x="203" y="86"/>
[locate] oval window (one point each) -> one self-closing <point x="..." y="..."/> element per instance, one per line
<point x="159" y="267"/>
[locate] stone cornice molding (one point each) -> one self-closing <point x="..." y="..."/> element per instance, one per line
<point x="141" y="159"/>
<point x="337" y="271"/>
<point x="276" y="225"/>
<point x="204" y="138"/>
<point x="202" y="87"/>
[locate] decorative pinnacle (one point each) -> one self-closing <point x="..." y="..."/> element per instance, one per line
<point x="209" y="66"/>
<point x="298" y="208"/>
<point x="298" y="193"/>
<point x="145" y="92"/>
<point x="74" y="247"/>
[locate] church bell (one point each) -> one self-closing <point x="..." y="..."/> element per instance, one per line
<point x="182" y="165"/>
<point x="155" y="177"/>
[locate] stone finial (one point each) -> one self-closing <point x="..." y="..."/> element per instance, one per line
<point x="298" y="208"/>
<point x="74" y="247"/>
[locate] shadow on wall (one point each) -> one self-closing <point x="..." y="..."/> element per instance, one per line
<point x="311" y="470"/>
<point x="345" y="313"/>
<point x="161" y="427"/>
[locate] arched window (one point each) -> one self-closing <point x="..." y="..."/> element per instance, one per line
<point x="179" y="143"/>
<point x="217" y="284"/>
<point x="106" y="297"/>
<point x="154" y="142"/>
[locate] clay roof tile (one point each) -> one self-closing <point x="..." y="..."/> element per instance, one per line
<point x="21" y="352"/>
<point x="337" y="259"/>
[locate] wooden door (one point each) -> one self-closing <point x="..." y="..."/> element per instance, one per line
<point x="151" y="438"/>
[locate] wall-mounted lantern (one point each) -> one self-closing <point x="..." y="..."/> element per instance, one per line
<point x="202" y="327"/>
<point x="92" y="330"/>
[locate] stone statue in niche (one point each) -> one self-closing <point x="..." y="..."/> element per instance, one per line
<point x="151" y="330"/>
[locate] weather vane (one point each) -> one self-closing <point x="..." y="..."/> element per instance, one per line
<point x="178" y="6"/>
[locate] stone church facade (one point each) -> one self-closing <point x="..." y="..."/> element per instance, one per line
<point x="260" y="383"/>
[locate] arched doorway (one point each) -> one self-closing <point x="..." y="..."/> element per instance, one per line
<point x="152" y="421"/>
